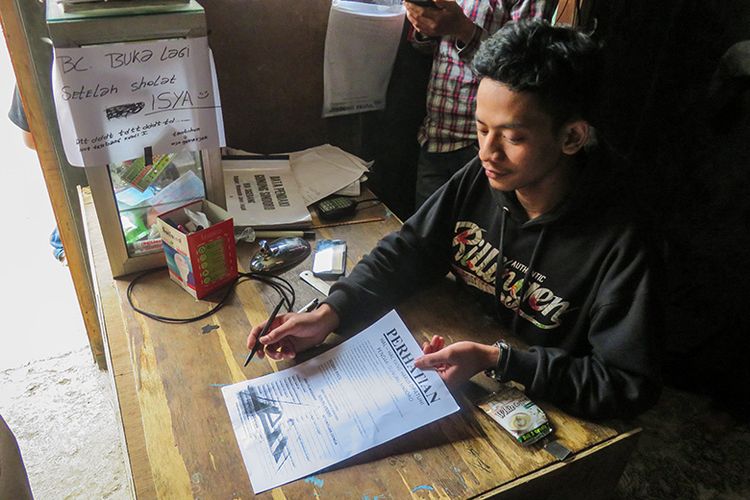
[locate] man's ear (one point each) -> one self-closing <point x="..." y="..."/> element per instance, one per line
<point x="576" y="135"/>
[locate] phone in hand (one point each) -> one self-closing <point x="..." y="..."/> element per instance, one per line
<point x="427" y="4"/>
<point x="329" y="261"/>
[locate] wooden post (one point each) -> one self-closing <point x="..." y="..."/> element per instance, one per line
<point x="23" y="26"/>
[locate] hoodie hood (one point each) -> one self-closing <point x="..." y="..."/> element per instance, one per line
<point x="592" y="186"/>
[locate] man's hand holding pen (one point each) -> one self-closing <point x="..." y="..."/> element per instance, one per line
<point x="291" y="333"/>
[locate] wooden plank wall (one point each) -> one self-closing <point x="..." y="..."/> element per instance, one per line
<point x="269" y="62"/>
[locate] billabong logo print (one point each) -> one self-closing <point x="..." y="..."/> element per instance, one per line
<point x="475" y="261"/>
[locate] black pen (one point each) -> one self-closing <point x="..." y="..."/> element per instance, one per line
<point x="263" y="332"/>
<point x="310" y="306"/>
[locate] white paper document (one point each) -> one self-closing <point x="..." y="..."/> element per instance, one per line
<point x="353" y="189"/>
<point x="324" y="170"/>
<point x="362" y="393"/>
<point x="361" y="44"/>
<point x="262" y="192"/>
<point x="115" y="100"/>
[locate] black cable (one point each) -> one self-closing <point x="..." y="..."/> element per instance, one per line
<point x="279" y="284"/>
<point x="369" y="199"/>
<point x="282" y="286"/>
<point x="377" y="202"/>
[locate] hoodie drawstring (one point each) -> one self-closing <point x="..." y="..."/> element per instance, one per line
<point x="501" y="266"/>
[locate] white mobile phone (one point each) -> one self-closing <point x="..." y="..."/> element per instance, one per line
<point x="330" y="258"/>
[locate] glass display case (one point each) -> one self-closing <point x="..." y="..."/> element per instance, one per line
<point x="128" y="197"/>
<point x="142" y="192"/>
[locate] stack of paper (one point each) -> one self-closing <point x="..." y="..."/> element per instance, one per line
<point x="262" y="192"/>
<point x="362" y="40"/>
<point x="326" y="169"/>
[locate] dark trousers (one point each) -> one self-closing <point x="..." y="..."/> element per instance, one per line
<point x="434" y="170"/>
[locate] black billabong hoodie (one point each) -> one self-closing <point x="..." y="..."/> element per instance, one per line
<point x="582" y="273"/>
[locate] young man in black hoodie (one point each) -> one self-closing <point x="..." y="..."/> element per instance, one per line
<point x="576" y="279"/>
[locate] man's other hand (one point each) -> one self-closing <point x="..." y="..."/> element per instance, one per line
<point x="457" y="362"/>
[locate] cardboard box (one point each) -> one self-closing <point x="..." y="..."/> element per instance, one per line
<point x="203" y="261"/>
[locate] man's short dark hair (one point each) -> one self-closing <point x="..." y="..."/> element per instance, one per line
<point x="559" y="65"/>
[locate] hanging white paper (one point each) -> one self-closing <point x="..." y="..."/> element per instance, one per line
<point x="115" y="100"/>
<point x="349" y="399"/>
<point x="361" y="45"/>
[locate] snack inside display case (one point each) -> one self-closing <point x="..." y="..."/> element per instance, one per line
<point x="130" y="195"/>
<point x="144" y="191"/>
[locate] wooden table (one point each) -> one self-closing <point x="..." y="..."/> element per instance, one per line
<point x="180" y="442"/>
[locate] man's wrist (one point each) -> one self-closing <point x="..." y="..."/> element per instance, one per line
<point x="328" y="316"/>
<point x="499" y="368"/>
<point x="491" y="354"/>
<point x="466" y="34"/>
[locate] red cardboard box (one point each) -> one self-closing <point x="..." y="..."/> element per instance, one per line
<point x="202" y="261"/>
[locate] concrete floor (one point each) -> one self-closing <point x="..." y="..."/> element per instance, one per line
<point x="53" y="397"/>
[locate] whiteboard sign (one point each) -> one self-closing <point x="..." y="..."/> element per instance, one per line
<point x="115" y="100"/>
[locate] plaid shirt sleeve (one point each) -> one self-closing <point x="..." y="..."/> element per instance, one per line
<point x="423" y="44"/>
<point x="451" y="92"/>
<point x="493" y="15"/>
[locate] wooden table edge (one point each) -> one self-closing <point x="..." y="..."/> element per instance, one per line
<point x="619" y="446"/>
<point x="132" y="434"/>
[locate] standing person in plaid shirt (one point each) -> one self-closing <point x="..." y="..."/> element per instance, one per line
<point x="455" y="29"/>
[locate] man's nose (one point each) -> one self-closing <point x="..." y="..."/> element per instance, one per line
<point x="491" y="150"/>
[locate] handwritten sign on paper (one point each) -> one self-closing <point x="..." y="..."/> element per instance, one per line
<point x="114" y="100"/>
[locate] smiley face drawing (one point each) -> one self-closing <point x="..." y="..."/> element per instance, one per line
<point x="203" y="94"/>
